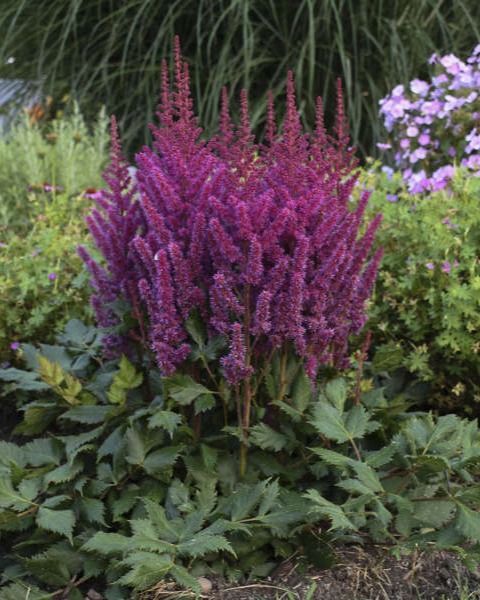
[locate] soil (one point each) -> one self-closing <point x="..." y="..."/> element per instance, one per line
<point x="359" y="574"/>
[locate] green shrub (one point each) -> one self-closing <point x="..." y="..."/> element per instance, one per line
<point x="35" y="158"/>
<point x="43" y="171"/>
<point x="120" y="487"/>
<point x="425" y="313"/>
<point x="42" y="284"/>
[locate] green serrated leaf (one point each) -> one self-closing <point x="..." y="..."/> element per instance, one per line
<point x="203" y="403"/>
<point x="57" y="521"/>
<point x="43" y="451"/>
<point x="89" y="414"/>
<point x="165" y="419"/>
<point x="93" y="510"/>
<point x="301" y="391"/>
<point x="336" y="393"/>
<point x="10" y="498"/>
<point x="467" y="522"/>
<point x="159" y="460"/>
<point x="184" y="579"/>
<point x="11" y="454"/>
<point x="165" y="529"/>
<point x="107" y="543"/>
<point x="145" y="537"/>
<point x="147" y="569"/>
<point x="263" y="436"/>
<point x="184" y="390"/>
<point x="64" y="473"/>
<point x="136" y="449"/>
<point x="48" y="568"/>
<point x="325" y="508"/>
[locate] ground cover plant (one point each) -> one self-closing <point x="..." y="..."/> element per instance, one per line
<point x="48" y="174"/>
<point x="203" y="428"/>
<point x="433" y="123"/>
<point x="425" y="311"/>
<point x="104" y="53"/>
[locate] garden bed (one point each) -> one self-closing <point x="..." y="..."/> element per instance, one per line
<point x="359" y="574"/>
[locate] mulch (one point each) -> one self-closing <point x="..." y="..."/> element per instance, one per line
<point x="358" y="574"/>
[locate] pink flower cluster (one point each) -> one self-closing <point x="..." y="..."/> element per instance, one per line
<point x="261" y="240"/>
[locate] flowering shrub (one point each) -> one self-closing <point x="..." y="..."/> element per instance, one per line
<point x="425" y="314"/>
<point x="250" y="247"/>
<point x="42" y="284"/>
<point x="434" y="124"/>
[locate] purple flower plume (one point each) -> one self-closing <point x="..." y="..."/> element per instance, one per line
<point x="260" y="240"/>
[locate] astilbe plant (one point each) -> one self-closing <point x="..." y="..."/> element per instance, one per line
<point x="258" y="242"/>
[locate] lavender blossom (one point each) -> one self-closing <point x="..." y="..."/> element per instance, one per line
<point x="434" y="122"/>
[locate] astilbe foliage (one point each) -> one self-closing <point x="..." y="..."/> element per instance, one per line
<point x="261" y="241"/>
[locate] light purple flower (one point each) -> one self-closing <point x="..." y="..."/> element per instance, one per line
<point x="452" y="64"/>
<point x="430" y="266"/>
<point x="388" y="171"/>
<point x="392" y="197"/>
<point x="418" y="86"/>
<point x="446" y="267"/>
<point x="52" y="276"/>
<point x="15" y="346"/>
<point x="424" y="139"/>
<point x="412" y="131"/>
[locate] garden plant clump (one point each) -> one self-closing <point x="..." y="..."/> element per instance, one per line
<point x="48" y="174"/>
<point x="434" y="123"/>
<point x="425" y="313"/>
<point x="204" y="428"/>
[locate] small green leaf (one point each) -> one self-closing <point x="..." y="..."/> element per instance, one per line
<point x="93" y="510"/>
<point x="265" y="437"/>
<point x="89" y="414"/>
<point x="127" y="376"/>
<point x="57" y="521"/>
<point x="327" y="419"/>
<point x="467" y="522"/>
<point x="136" y="449"/>
<point x="165" y="419"/>
<point x="162" y="459"/>
<point x="301" y="391"/>
<point x="184" y="390"/>
<point x="107" y="543"/>
<point x="43" y="451"/>
<point x="203" y="403"/>
<point x="327" y="509"/>
<point x="336" y="392"/>
<point x="184" y="579"/>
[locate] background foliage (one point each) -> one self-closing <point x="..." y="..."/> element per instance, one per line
<point x="102" y="51"/>
<point x="44" y="170"/>
<point x="37" y="158"/>
<point x="425" y="313"/>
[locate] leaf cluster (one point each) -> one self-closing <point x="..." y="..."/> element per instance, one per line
<point x="119" y="487"/>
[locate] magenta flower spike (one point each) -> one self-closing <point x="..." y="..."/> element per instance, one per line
<point x="259" y="240"/>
